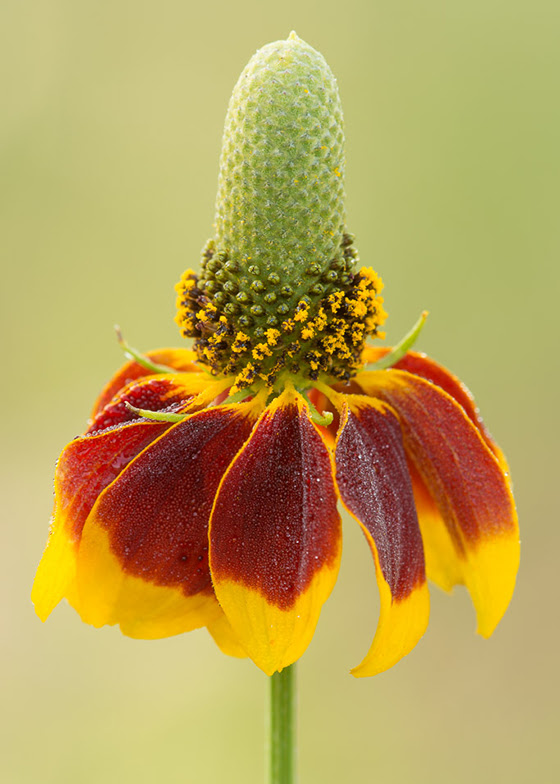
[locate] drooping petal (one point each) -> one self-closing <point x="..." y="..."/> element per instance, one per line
<point x="90" y="463"/>
<point x="85" y="468"/>
<point x="180" y="359"/>
<point x="275" y="538"/>
<point x="374" y="485"/>
<point x="469" y="484"/>
<point x="443" y="566"/>
<point x="225" y="638"/>
<point x="143" y="556"/>
<point x="56" y="571"/>
<point x="424" y="366"/>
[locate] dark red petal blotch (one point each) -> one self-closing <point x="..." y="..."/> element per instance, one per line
<point x="90" y="463"/>
<point x="375" y="485"/>
<point x="275" y="523"/>
<point x="157" y="513"/>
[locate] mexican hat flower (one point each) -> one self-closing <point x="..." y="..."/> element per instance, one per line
<point x="207" y="488"/>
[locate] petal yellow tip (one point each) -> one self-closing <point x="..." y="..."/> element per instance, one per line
<point x="491" y="580"/>
<point x="225" y="638"/>
<point x="275" y="638"/>
<point x="401" y="625"/>
<point x="107" y="595"/>
<point x="55" y="573"/>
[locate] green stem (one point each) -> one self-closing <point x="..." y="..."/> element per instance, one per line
<point x="282" y="728"/>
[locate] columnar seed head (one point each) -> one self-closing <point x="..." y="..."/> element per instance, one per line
<point x="279" y="291"/>
<point x="280" y="202"/>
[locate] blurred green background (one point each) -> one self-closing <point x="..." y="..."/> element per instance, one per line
<point x="110" y="126"/>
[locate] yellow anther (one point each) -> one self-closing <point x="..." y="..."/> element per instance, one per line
<point x="335" y="300"/>
<point x="358" y="309"/>
<point x="288" y="325"/>
<point x="241" y="343"/>
<point x="261" y="351"/>
<point x="320" y="320"/>
<point x="302" y="311"/>
<point x="326" y="335"/>
<point x="272" y="336"/>
<point x="307" y="332"/>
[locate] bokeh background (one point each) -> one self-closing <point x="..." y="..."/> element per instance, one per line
<point x="110" y="126"/>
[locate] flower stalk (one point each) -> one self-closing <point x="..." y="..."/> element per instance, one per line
<point x="283" y="727"/>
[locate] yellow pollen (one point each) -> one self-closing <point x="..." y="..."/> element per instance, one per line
<point x="358" y="309"/>
<point x="272" y="336"/>
<point x="307" y="332"/>
<point x="335" y="300"/>
<point x="302" y="311"/>
<point x="240" y="343"/>
<point x="245" y="378"/>
<point x="288" y="325"/>
<point x="326" y="335"/>
<point x="261" y="351"/>
<point x="320" y="320"/>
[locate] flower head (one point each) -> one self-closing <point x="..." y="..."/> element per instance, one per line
<point x="206" y="488"/>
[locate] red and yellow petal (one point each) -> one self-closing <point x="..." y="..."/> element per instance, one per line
<point x="106" y="594"/>
<point x="180" y="359"/>
<point x="90" y="463"/>
<point x="375" y="486"/>
<point x="143" y="555"/>
<point x="85" y="468"/>
<point x="422" y="365"/>
<point x="470" y="487"/>
<point x="154" y="393"/>
<point x="275" y="538"/>
<point x="443" y="567"/>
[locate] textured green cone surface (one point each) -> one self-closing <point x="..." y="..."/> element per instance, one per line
<point x="280" y="205"/>
<point x="279" y="290"/>
<point x="280" y="202"/>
